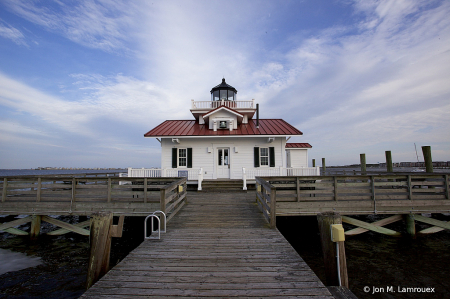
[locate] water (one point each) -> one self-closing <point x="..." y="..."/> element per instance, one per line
<point x="376" y="260"/>
<point x="63" y="265"/>
<point x="14" y="261"/>
<point x="18" y="172"/>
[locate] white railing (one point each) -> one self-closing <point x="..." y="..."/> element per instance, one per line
<point x="145" y="172"/>
<point x="216" y="104"/>
<point x="251" y="173"/>
<point x="193" y="174"/>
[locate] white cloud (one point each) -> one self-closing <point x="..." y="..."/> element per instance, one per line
<point x="12" y="33"/>
<point x="101" y="24"/>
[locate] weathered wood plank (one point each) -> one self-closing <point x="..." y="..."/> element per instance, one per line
<point x="217" y="246"/>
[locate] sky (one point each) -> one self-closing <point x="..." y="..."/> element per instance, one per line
<point x="81" y="82"/>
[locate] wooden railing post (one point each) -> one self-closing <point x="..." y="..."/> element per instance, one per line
<point x="5" y="189"/>
<point x="38" y="191"/>
<point x="447" y="195"/>
<point x="162" y="205"/>
<point x="145" y="190"/>
<point x="325" y="220"/>
<point x="100" y="240"/>
<point x="335" y="188"/>
<point x="109" y="189"/>
<point x="273" y="207"/>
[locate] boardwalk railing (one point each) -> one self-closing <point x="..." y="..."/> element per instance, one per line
<point x="33" y="195"/>
<point x="252" y="173"/>
<point x="381" y="194"/>
<point x="266" y="199"/>
<point x="192" y="174"/>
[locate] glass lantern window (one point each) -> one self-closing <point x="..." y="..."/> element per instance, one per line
<point x="216" y="95"/>
<point x="223" y="94"/>
<point x="230" y="95"/>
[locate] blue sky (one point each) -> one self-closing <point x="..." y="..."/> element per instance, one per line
<point x="82" y="81"/>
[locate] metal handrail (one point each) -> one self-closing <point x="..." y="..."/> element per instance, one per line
<point x="159" y="225"/>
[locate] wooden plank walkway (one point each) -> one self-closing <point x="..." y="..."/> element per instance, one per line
<point x="219" y="245"/>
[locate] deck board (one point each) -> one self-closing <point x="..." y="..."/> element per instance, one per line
<point x="220" y="246"/>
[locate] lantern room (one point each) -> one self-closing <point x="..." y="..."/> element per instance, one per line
<point x="223" y="91"/>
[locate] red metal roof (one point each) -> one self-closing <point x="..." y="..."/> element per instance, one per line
<point x="193" y="128"/>
<point x="298" y="145"/>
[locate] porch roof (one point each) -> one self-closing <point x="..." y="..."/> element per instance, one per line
<point x="176" y="128"/>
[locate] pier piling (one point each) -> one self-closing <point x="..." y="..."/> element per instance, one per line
<point x="100" y="240"/>
<point x="325" y="220"/>
<point x="426" y="150"/>
<point x="389" y="162"/>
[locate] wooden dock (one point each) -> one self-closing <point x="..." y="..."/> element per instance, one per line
<point x="218" y="245"/>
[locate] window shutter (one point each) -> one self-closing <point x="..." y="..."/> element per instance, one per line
<point x="189" y="158"/>
<point x="174" y="157"/>
<point x="256" y="156"/>
<point x="271" y="156"/>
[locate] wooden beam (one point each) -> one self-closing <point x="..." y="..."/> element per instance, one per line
<point x="117" y="230"/>
<point x="432" y="221"/>
<point x="100" y="240"/>
<point x="13" y="223"/>
<point x="382" y="222"/>
<point x="63" y="231"/>
<point x="15" y="231"/>
<point x="371" y="227"/>
<point x="65" y="225"/>
<point x="432" y="230"/>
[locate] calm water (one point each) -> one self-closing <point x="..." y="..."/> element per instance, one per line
<point x="16" y="172"/>
<point x="56" y="267"/>
<point x="375" y="260"/>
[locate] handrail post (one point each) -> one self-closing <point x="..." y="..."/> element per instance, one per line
<point x="446" y="187"/>
<point x="5" y="188"/>
<point x="38" y="194"/>
<point x="273" y="206"/>
<point x="200" y="179"/>
<point x="109" y="189"/>
<point x="145" y="190"/>
<point x="163" y="204"/>
<point x="244" y="179"/>
<point x="335" y="188"/>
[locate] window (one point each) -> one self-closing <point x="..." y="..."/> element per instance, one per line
<point x="264" y="156"/>
<point x="182" y="157"/>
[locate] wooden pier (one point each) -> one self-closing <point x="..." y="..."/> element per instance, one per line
<point x="219" y="245"/>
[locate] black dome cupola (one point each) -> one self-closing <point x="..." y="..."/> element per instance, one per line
<point x="223" y="91"/>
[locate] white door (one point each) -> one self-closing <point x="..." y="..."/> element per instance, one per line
<point x="223" y="163"/>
